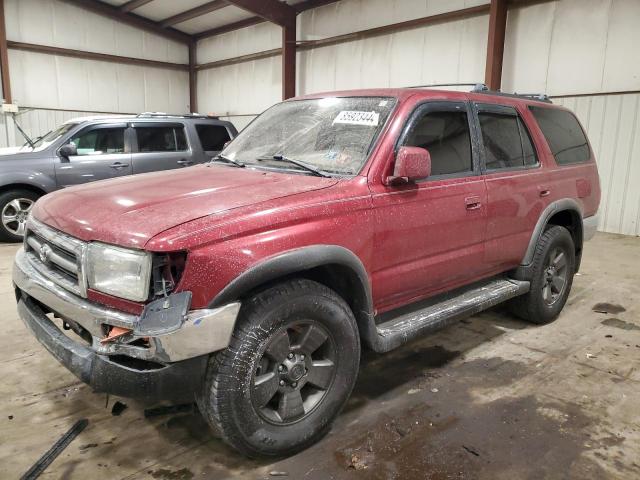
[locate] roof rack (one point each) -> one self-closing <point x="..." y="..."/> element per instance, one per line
<point x="482" y="88"/>
<point x="540" y="97"/>
<point x="172" y="115"/>
<point x="477" y="87"/>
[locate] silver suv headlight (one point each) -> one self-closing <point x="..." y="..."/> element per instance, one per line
<point x="120" y="272"/>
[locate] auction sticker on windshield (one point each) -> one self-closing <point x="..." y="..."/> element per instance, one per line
<point x="350" y="117"/>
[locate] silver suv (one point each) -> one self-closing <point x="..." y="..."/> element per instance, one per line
<point x="96" y="148"/>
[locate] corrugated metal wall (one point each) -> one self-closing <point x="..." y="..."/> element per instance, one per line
<point x="51" y="82"/>
<point x="613" y="126"/>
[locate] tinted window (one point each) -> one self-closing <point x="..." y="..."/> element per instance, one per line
<point x="446" y="136"/>
<point x="564" y="135"/>
<point x="506" y="141"/>
<point x="100" y="141"/>
<point x="212" y="137"/>
<point x="161" y="139"/>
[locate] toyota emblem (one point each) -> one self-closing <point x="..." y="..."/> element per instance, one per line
<point x="45" y="251"/>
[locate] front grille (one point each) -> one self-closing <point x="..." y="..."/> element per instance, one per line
<point x="56" y="255"/>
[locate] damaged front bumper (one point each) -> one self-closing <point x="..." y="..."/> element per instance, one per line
<point x="168" y="365"/>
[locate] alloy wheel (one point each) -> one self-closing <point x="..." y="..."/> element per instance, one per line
<point x="15" y="215"/>
<point x="555" y="276"/>
<point x="294" y="373"/>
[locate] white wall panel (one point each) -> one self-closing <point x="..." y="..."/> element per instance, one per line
<point x="59" y="24"/>
<point x="247" y="88"/>
<point x="51" y="81"/>
<point x="258" y="38"/>
<point x="613" y="126"/>
<point x="573" y="47"/>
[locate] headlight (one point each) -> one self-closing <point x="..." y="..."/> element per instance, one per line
<point x="118" y="271"/>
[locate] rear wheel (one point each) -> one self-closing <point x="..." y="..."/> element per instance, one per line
<point x="552" y="277"/>
<point x="290" y="367"/>
<point x="15" y="207"/>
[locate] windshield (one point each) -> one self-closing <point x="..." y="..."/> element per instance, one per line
<point x="47" y="139"/>
<point x="331" y="135"/>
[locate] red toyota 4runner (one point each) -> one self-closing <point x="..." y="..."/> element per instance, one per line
<point x="332" y="221"/>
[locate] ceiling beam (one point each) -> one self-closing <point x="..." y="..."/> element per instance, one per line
<point x="272" y="10"/>
<point x="132" y="5"/>
<point x="212" y="32"/>
<point x="250" y="22"/>
<point x="194" y="12"/>
<point x="137" y="21"/>
<point x="311" y="4"/>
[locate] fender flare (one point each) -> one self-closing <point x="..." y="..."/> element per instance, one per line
<point x="296" y="261"/>
<point x="551" y="209"/>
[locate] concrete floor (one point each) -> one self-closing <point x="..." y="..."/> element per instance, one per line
<point x="491" y="397"/>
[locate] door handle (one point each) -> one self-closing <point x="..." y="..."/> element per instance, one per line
<point x="472" y="203"/>
<point x="184" y="161"/>
<point x="544" y="192"/>
<point x="118" y="165"/>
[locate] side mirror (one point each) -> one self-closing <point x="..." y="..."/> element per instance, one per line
<point x="412" y="163"/>
<point x="68" y="150"/>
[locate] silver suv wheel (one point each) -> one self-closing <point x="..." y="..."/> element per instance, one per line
<point x="15" y="215"/>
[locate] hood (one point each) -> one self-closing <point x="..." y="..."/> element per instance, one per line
<point x="131" y="210"/>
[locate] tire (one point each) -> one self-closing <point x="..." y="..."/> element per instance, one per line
<point x="547" y="297"/>
<point x="15" y="205"/>
<point x="249" y="393"/>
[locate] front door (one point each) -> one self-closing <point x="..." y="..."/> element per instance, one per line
<point x="102" y="154"/>
<point x="430" y="235"/>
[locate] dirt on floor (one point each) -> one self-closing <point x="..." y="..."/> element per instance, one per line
<point x="489" y="398"/>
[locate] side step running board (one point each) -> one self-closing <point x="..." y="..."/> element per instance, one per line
<point x="401" y="329"/>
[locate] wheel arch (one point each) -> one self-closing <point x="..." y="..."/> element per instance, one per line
<point x="22" y="186"/>
<point x="565" y="212"/>
<point x="331" y="265"/>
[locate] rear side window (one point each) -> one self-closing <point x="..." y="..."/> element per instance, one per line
<point x="212" y="137"/>
<point x="506" y="141"/>
<point x="446" y="136"/>
<point x="161" y="139"/>
<point x="564" y="135"/>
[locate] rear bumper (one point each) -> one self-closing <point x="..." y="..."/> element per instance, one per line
<point x="589" y="227"/>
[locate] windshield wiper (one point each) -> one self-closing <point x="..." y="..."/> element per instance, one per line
<point x="303" y="165"/>
<point x="225" y="159"/>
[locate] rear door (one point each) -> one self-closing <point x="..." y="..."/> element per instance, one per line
<point x="430" y="234"/>
<point x="103" y="152"/>
<point x="516" y="184"/>
<point x="160" y="146"/>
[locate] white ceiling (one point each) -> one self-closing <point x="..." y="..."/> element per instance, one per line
<point x="158" y="10"/>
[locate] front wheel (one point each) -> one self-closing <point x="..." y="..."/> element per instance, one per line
<point x="15" y="207"/>
<point x="552" y="276"/>
<point x="290" y="367"/>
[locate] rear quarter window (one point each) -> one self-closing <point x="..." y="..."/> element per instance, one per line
<point x="564" y="135"/>
<point x="212" y="137"/>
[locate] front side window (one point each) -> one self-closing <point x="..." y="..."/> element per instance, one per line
<point x="333" y="135"/>
<point x="446" y="136"/>
<point x="100" y="141"/>
<point x="161" y="139"/>
<point x="563" y="134"/>
<point x="506" y="141"/>
<point x="212" y="137"/>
